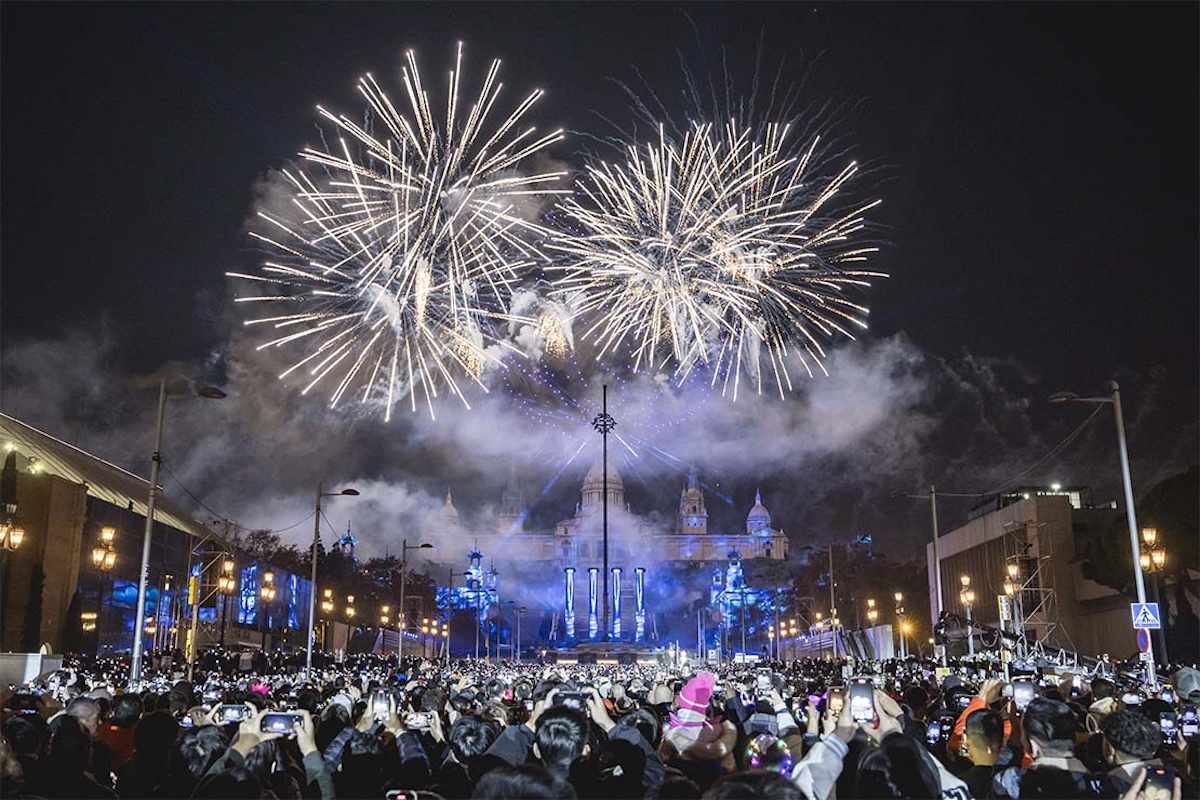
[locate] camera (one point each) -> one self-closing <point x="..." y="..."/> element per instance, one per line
<point x="575" y="700"/>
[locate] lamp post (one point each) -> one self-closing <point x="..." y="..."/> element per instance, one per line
<point x="1114" y="399"/>
<point x="327" y="612"/>
<point x="1012" y="589"/>
<point x="1154" y="562"/>
<point x="135" y="663"/>
<point x="967" y="598"/>
<point x="403" y="614"/>
<point x="267" y="593"/>
<point x="312" y="589"/>
<point x="225" y="585"/>
<point x="104" y="558"/>
<point x="793" y="632"/>
<point x="899" y="598"/>
<point x="604" y="423"/>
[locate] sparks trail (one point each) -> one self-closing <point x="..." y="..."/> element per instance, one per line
<point x="724" y="248"/>
<point x="394" y="270"/>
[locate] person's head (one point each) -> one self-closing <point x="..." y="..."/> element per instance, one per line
<point x="362" y="772"/>
<point x="754" y="786"/>
<point x="984" y="736"/>
<point x="1103" y="688"/>
<point x="523" y="782"/>
<point x="232" y="784"/>
<point x="561" y="737"/>
<point x="154" y="735"/>
<point x="197" y="750"/>
<point x="899" y="767"/>
<point x="25" y="733"/>
<point x="917" y="699"/>
<point x="1048" y="783"/>
<point x="1129" y="736"/>
<point x="1049" y="728"/>
<point x="126" y="710"/>
<point x="87" y="711"/>
<point x="471" y="736"/>
<point x="70" y="748"/>
<point x="646" y="723"/>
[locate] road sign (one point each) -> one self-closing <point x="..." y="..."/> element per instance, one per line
<point x="1143" y="640"/>
<point x="1145" y="616"/>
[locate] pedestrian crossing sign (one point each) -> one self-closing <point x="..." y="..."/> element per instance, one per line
<point x="1145" y="616"/>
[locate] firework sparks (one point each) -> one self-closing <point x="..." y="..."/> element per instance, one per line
<point x="719" y="248"/>
<point x="396" y="267"/>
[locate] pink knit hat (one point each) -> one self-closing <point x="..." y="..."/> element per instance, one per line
<point x="693" y="701"/>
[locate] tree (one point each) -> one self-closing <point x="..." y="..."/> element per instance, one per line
<point x="262" y="544"/>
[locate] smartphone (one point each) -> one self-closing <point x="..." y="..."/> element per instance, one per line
<point x="380" y="704"/>
<point x="862" y="700"/>
<point x="23" y="703"/>
<point x="1190" y="722"/>
<point x="233" y="712"/>
<point x="1022" y="692"/>
<point x="1160" y="783"/>
<point x="763" y="684"/>
<point x="1132" y="698"/>
<point x="1168" y="723"/>
<point x="933" y="732"/>
<point x="280" y="722"/>
<point x="837" y="699"/>
<point x="799" y="711"/>
<point x="1168" y="694"/>
<point x="575" y="700"/>
<point x="419" y="719"/>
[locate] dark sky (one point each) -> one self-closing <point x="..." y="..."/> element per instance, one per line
<point x="1038" y="163"/>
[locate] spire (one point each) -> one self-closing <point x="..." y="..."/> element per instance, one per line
<point x="449" y="512"/>
<point x="693" y="516"/>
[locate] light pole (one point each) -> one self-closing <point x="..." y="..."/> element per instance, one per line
<point x="1012" y="588"/>
<point x="104" y="558"/>
<point x="267" y="592"/>
<point x="403" y="614"/>
<point x="327" y="611"/>
<point x="899" y="598"/>
<point x="604" y="423"/>
<point x="312" y="589"/>
<point x="1154" y="562"/>
<point x="135" y="662"/>
<point x="225" y="585"/>
<point x="967" y="598"/>
<point x="1114" y="399"/>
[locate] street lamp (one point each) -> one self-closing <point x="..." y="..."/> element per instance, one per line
<point x="1114" y="399"/>
<point x="899" y="598"/>
<point x="267" y="592"/>
<point x="350" y="607"/>
<point x="225" y="586"/>
<point x="104" y="558"/>
<point x="312" y="589"/>
<point x="12" y="536"/>
<point x="1155" y="562"/>
<point x="327" y="612"/>
<point x="135" y="663"/>
<point x="403" y="615"/>
<point x="384" y="615"/>
<point x="967" y="598"/>
<point x="603" y="423"/>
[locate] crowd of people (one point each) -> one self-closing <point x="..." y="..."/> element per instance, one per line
<point x="373" y="727"/>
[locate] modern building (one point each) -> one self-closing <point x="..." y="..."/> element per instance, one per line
<point x="72" y="584"/>
<point x="1032" y="538"/>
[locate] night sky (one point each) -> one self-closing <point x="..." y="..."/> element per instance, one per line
<point x="1037" y="165"/>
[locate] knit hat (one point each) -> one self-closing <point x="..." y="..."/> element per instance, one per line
<point x="690" y="724"/>
<point x="693" y="701"/>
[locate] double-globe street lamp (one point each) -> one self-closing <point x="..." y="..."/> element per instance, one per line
<point x="967" y="598"/>
<point x="403" y="614"/>
<point x="1153" y="560"/>
<point x="1114" y="399"/>
<point x="312" y="589"/>
<point x="135" y="663"/>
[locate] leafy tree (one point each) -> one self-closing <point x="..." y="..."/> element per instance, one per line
<point x="262" y="544"/>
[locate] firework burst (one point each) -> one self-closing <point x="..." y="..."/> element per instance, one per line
<point x="392" y="272"/>
<point x="722" y="247"/>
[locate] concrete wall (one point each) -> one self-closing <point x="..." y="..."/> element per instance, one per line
<point x="52" y="511"/>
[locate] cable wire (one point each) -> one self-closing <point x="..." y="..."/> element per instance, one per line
<point x="162" y="463"/>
